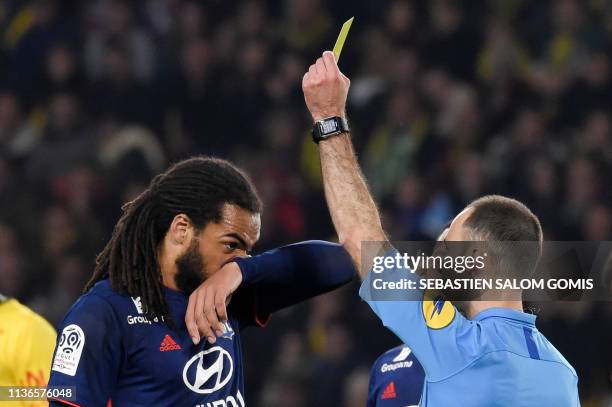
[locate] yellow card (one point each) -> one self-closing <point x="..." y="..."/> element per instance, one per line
<point x="342" y="37"/>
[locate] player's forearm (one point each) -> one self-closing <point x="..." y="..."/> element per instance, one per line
<point x="315" y="260"/>
<point x="296" y="272"/>
<point x="275" y="279"/>
<point x="352" y="208"/>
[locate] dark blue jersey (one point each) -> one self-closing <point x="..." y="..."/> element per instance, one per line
<point x="396" y="380"/>
<point x="109" y="349"/>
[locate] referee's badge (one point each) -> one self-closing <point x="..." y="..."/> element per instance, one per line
<point x="438" y="313"/>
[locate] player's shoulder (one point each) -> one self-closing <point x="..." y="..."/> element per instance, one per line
<point x="395" y="360"/>
<point x="102" y="290"/>
<point x="20" y="316"/>
<point x="397" y="366"/>
<point x="102" y="300"/>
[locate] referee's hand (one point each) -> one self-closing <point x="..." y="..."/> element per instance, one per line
<point x="325" y="88"/>
<point x="207" y="304"/>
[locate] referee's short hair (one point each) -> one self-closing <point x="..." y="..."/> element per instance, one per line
<point x="497" y="218"/>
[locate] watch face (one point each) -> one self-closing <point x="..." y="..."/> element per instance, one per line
<point x="329" y="126"/>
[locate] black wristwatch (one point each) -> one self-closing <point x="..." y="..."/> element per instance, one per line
<point x="326" y="128"/>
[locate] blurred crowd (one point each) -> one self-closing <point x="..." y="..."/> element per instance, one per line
<point x="449" y="101"/>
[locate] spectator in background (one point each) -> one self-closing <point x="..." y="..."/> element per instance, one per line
<point x="396" y="142"/>
<point x="355" y="390"/>
<point x="62" y="69"/>
<point x="71" y="272"/>
<point x="65" y="141"/>
<point x="12" y="270"/>
<point x="331" y="367"/>
<point x="114" y="20"/>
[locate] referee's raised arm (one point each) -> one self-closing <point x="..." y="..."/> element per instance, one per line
<point x="353" y="210"/>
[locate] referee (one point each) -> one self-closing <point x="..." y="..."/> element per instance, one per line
<point x="492" y="356"/>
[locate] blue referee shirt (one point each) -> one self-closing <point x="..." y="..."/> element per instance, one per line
<point x="499" y="358"/>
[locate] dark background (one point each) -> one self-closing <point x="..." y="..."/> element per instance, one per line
<point x="449" y="101"/>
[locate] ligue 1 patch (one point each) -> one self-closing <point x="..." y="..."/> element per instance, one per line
<point x="69" y="349"/>
<point x="438" y="313"/>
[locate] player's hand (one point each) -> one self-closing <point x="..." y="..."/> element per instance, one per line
<point x="325" y="88"/>
<point x="207" y="304"/>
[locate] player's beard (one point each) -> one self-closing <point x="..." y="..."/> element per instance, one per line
<point x="191" y="269"/>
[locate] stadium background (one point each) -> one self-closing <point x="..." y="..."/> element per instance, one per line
<point x="449" y="101"/>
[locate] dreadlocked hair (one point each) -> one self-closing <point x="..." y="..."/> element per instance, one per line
<point x="197" y="187"/>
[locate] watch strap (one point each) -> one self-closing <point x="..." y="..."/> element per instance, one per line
<point x="318" y="133"/>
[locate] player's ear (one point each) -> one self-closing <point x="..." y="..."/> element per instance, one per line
<point x="181" y="230"/>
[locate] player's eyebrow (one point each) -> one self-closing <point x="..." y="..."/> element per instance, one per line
<point x="239" y="238"/>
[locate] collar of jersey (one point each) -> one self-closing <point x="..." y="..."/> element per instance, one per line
<point x="174" y="293"/>
<point x="498" y="312"/>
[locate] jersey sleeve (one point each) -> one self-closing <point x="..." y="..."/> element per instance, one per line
<point x="245" y="309"/>
<point x="89" y="352"/>
<point x="441" y="338"/>
<point x="288" y="275"/>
